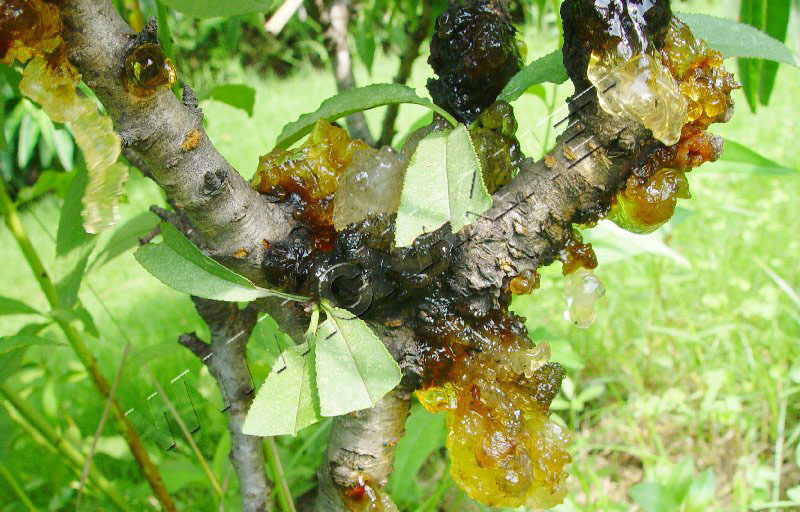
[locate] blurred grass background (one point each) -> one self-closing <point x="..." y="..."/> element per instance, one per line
<point x="684" y="395"/>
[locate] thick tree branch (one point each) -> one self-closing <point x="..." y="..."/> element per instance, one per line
<point x="229" y="214"/>
<point x="407" y="59"/>
<point x="361" y="453"/>
<point x="532" y="217"/>
<point x="335" y="18"/>
<point x="226" y="359"/>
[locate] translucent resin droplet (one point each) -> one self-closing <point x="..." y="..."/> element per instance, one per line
<point x="643" y="208"/>
<point x="524" y="283"/>
<point x="147" y="70"/>
<point x="583" y="290"/>
<point x="641" y="89"/>
<point x="372" y="183"/>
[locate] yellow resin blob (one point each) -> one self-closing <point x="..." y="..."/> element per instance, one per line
<point x="497" y="388"/>
<point x="640" y="88"/>
<point x="685" y="66"/>
<point x="50" y="80"/>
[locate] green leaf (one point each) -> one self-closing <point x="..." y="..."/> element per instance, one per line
<point x="425" y="434"/>
<point x="14" y="307"/>
<point x="211" y="8"/>
<point x="47" y="139"/>
<point x="287" y="401"/>
<point x="12" y="78"/>
<point x="653" y="497"/>
<point x="73" y="244"/>
<point x="236" y="95"/>
<point x="365" y="41"/>
<point x="741" y="154"/>
<point x="354" y="369"/>
<point x="701" y="491"/>
<point x="11" y="361"/>
<point x="179" y="264"/>
<point x="750" y="13"/>
<point x="612" y="243"/>
<point x="777" y="24"/>
<point x="28" y="137"/>
<point x="735" y="39"/>
<point x="48" y="181"/>
<point x="125" y="237"/>
<point x="80" y="314"/>
<point x="65" y="148"/>
<point x="443" y="183"/>
<point x="549" y="68"/>
<point x="20" y="340"/>
<point x="350" y="102"/>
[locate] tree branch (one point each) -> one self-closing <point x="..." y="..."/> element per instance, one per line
<point x="334" y="20"/>
<point x="226" y="360"/>
<point x="410" y="54"/>
<point x="229" y="214"/>
<point x="532" y="217"/>
<point x="361" y="453"/>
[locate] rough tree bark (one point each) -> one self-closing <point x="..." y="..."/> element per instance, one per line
<point x="226" y="359"/>
<point x="527" y="226"/>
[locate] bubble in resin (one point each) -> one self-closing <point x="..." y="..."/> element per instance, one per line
<point x="583" y="290"/>
<point x="371" y="184"/>
<point x="641" y="89"/>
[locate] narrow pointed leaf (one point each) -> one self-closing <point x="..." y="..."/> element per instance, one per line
<point x="14" y="307"/>
<point x="22" y="340"/>
<point x="73" y="243"/>
<point x="443" y="184"/>
<point x="286" y="402"/>
<point x="425" y="433"/>
<point x="354" y="369"/>
<point x="350" y="102"/>
<point x="735" y="39"/>
<point x="549" y="68"/>
<point x="754" y="162"/>
<point x="777" y="24"/>
<point x="125" y="237"/>
<point x="239" y="96"/>
<point x="179" y="264"/>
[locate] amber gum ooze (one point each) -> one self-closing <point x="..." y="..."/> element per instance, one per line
<point x="496" y="389"/>
<point x="650" y="194"/>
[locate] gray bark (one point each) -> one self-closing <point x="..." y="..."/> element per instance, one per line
<point x="335" y="19"/>
<point x="229" y="213"/>
<point x="226" y="360"/>
<point x="361" y="449"/>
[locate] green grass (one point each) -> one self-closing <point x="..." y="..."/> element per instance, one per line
<point x="694" y="361"/>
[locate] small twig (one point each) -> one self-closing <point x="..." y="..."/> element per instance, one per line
<point x="197" y="346"/>
<point x="101" y="425"/>
<point x="146" y="239"/>
<point x="186" y="433"/>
